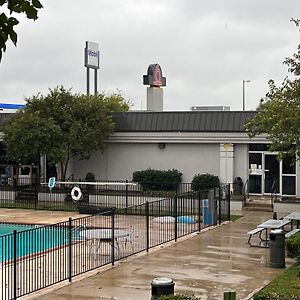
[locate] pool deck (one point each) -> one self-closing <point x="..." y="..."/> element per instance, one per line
<point x="29" y="216"/>
<point x="205" y="264"/>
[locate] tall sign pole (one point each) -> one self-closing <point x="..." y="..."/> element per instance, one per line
<point x="95" y="83"/>
<point x="91" y="61"/>
<point x="87" y="80"/>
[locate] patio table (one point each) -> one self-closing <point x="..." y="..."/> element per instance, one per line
<point x="271" y="224"/>
<point x="294" y="216"/>
<point x="97" y="236"/>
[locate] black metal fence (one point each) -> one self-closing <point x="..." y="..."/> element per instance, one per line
<point x="39" y="257"/>
<point x="33" y="193"/>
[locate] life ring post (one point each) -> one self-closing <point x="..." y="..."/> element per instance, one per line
<point x="76" y="194"/>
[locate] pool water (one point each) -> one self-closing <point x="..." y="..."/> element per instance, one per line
<point x="31" y="239"/>
<point x="9" y="228"/>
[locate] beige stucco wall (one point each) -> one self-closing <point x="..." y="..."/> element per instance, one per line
<point x="189" y="153"/>
<point x="120" y="160"/>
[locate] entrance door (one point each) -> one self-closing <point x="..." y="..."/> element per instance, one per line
<point x="272" y="173"/>
<point x="267" y="175"/>
<point x="255" y="173"/>
<point x="264" y="175"/>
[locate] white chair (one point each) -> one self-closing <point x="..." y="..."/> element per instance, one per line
<point x="126" y="241"/>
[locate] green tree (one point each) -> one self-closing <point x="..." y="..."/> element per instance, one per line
<point x="61" y="125"/>
<point x="7" y="23"/>
<point x="279" y="112"/>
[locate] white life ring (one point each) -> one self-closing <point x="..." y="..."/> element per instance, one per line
<point x="76" y="193"/>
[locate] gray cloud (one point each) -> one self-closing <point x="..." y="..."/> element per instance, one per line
<point x="205" y="49"/>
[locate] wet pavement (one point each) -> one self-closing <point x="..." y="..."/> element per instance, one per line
<point x="204" y="264"/>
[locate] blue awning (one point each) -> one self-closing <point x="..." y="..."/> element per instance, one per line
<point x="12" y="106"/>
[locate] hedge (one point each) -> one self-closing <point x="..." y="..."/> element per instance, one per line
<point x="205" y="182"/>
<point x="158" y="180"/>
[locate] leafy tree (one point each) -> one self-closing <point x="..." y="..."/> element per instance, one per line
<point x="279" y="112"/>
<point x="61" y="125"/>
<point x="7" y="24"/>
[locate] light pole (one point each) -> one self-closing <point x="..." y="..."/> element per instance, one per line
<point x="244" y="81"/>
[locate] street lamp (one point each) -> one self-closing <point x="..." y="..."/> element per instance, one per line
<point x="244" y="81"/>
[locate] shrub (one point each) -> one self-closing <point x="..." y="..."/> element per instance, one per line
<point x="292" y="245"/>
<point x="205" y="182"/>
<point x="158" y="180"/>
<point x="89" y="177"/>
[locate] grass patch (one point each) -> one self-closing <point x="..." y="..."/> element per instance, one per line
<point x="177" y="297"/>
<point x="285" y="286"/>
<point x="233" y="218"/>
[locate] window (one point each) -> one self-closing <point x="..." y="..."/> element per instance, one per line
<point x="24" y="170"/>
<point x="288" y="166"/>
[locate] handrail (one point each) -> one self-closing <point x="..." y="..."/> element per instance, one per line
<point x="70" y="177"/>
<point x="246" y="190"/>
<point x="273" y="192"/>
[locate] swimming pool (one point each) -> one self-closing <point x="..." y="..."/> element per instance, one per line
<point x="30" y="239"/>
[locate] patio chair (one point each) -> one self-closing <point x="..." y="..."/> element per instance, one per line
<point x="126" y="241"/>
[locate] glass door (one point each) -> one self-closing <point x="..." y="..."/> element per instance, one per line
<point x="268" y="175"/>
<point x="255" y="173"/>
<point x="272" y="174"/>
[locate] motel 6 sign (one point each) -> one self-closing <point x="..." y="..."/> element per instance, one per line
<point x="91" y="55"/>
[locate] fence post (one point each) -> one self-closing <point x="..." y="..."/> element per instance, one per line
<point x="175" y="216"/>
<point x="126" y="195"/>
<point x="36" y="194"/>
<point x="227" y="197"/>
<point x="147" y="227"/>
<point x="220" y="210"/>
<point x="15" y="263"/>
<point x="199" y="211"/>
<point x="113" y="237"/>
<point x="70" y="249"/>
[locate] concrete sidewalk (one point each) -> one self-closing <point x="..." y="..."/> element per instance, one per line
<point x="205" y="265"/>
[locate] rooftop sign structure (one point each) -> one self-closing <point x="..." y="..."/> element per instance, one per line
<point x="154" y="76"/>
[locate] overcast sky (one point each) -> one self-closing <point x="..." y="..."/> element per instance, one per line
<point x="205" y="49"/>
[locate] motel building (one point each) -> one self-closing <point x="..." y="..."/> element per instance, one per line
<point x="193" y="142"/>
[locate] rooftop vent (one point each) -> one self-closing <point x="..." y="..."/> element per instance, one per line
<point x="210" y="108"/>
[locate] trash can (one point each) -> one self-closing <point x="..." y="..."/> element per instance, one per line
<point x="277" y="248"/>
<point x="206" y="213"/>
<point x="161" y="286"/>
<point x="238" y="186"/>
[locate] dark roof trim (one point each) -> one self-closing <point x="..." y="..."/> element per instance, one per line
<point x="191" y="121"/>
<point x="175" y="121"/>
